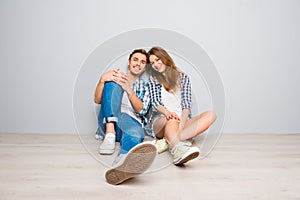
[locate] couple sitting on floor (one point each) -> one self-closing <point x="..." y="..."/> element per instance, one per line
<point x="125" y="99"/>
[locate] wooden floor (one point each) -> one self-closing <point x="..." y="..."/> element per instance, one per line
<point x="251" y="166"/>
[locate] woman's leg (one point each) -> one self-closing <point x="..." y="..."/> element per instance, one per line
<point x="167" y="129"/>
<point x="159" y="127"/>
<point x="171" y="132"/>
<point x="197" y="125"/>
<point x="180" y="151"/>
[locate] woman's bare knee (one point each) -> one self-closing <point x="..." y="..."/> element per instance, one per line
<point x="209" y="115"/>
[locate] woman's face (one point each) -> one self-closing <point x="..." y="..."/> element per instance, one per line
<point x="157" y="64"/>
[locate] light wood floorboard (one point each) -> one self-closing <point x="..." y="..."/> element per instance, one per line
<point x="241" y="166"/>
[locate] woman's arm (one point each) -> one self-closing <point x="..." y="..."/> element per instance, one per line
<point x="155" y="92"/>
<point x="186" y="92"/>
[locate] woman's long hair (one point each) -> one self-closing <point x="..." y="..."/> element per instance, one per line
<point x="170" y="80"/>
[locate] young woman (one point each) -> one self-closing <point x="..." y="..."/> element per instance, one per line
<point x="171" y="98"/>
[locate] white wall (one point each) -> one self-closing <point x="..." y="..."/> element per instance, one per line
<point x="254" y="44"/>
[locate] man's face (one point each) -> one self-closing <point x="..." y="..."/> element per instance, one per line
<point x="137" y="64"/>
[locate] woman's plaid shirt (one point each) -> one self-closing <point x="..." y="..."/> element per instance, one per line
<point x="185" y="91"/>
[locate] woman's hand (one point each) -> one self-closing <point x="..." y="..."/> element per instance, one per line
<point x="168" y="114"/>
<point x="172" y="115"/>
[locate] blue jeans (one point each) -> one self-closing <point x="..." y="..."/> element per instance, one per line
<point x="129" y="132"/>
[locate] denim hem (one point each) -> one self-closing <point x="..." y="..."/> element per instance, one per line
<point x="110" y="119"/>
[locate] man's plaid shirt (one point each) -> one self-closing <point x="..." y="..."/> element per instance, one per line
<point x="141" y="89"/>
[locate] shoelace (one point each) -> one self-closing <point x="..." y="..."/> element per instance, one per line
<point x="181" y="146"/>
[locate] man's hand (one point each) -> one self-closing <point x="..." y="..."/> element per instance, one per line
<point x="110" y="75"/>
<point x="122" y="80"/>
<point x="106" y="77"/>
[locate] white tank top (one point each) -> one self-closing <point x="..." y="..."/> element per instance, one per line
<point x="172" y="101"/>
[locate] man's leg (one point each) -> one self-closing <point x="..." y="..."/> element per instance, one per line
<point x="108" y="115"/>
<point x="131" y="133"/>
<point x="135" y="156"/>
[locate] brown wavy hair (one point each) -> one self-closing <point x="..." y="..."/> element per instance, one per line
<point x="170" y="80"/>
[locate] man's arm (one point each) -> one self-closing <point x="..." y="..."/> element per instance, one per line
<point x="142" y="91"/>
<point x="98" y="92"/>
<point x="136" y="102"/>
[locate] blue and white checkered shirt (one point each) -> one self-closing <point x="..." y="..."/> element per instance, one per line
<point x="141" y="89"/>
<point x="185" y="91"/>
<point x="156" y="99"/>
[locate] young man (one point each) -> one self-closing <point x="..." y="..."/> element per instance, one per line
<point x="124" y="99"/>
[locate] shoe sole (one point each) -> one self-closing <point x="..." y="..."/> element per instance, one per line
<point x="187" y="158"/>
<point x="106" y="151"/>
<point x="138" y="160"/>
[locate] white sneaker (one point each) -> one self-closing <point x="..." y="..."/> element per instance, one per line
<point x="189" y="142"/>
<point x="183" y="153"/>
<point x="161" y="145"/>
<point x="135" y="162"/>
<point x="108" y="145"/>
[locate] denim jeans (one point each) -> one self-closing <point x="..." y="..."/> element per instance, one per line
<point x="129" y="132"/>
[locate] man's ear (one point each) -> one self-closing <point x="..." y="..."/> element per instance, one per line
<point x="128" y="62"/>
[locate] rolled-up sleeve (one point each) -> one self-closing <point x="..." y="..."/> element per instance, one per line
<point x="186" y="92"/>
<point x="155" y="93"/>
<point x="143" y="93"/>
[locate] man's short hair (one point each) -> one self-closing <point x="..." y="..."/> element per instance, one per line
<point x="142" y="51"/>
